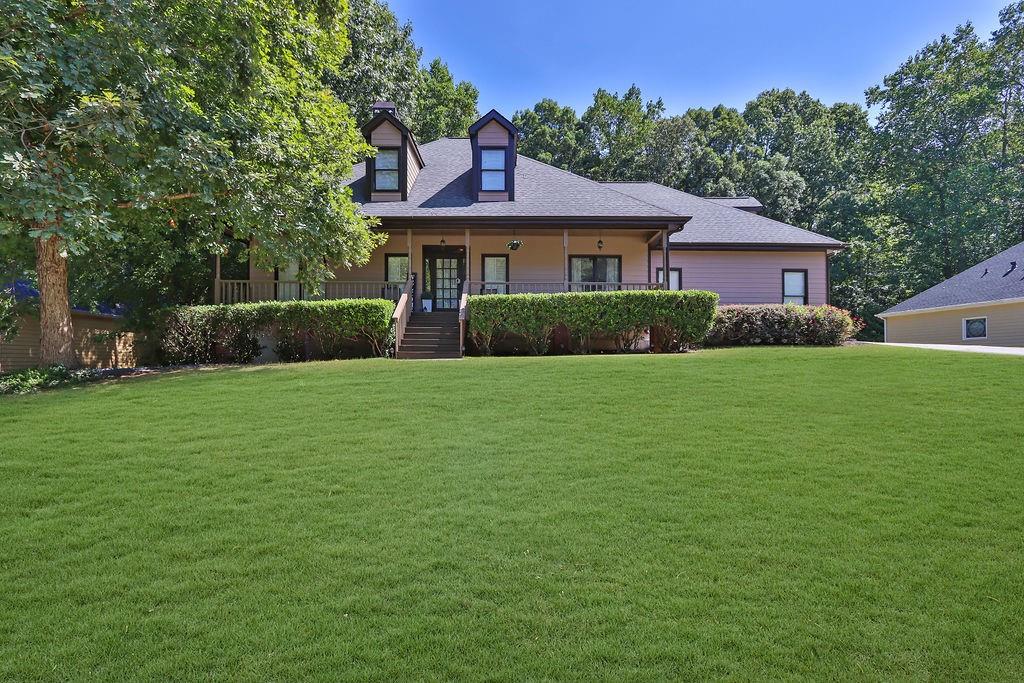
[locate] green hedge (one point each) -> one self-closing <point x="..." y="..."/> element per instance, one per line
<point x="676" y="320"/>
<point x="300" y="330"/>
<point x="779" y="324"/>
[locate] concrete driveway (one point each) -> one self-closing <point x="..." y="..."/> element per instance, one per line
<point x="1001" y="350"/>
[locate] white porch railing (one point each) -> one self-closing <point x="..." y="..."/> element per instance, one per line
<point x="403" y="311"/>
<point x="243" y="291"/>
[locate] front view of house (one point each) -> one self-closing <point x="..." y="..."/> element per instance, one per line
<point x="470" y="215"/>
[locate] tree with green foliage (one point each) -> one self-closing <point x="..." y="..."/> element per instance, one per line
<point x="617" y="130"/>
<point x="114" y="128"/>
<point x="931" y="138"/>
<point x="382" y="64"/>
<point x="553" y="134"/>
<point x="444" y="108"/>
<point x="8" y="316"/>
<point x="1007" y="59"/>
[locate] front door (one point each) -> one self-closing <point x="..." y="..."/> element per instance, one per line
<point x="444" y="269"/>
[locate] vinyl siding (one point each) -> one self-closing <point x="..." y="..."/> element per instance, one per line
<point x="412" y="168"/>
<point x="386" y="135"/>
<point x="748" y="277"/>
<point x="23" y="351"/>
<point x="492" y="134"/>
<point x="1005" y="326"/>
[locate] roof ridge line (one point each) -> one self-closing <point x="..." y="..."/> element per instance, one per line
<point x="602" y="183"/>
<point x="755" y="216"/>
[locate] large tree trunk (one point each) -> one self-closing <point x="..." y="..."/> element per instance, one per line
<point x="57" y="343"/>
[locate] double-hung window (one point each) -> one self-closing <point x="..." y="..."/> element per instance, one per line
<point x="495" y="271"/>
<point x="675" y="277"/>
<point x="385" y="170"/>
<point x="492" y="170"/>
<point x="595" y="273"/>
<point x="396" y="267"/>
<point x="794" y="287"/>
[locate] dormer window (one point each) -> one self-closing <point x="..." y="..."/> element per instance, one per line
<point x="392" y="172"/>
<point x="493" y="141"/>
<point x="492" y="170"/>
<point x="385" y="177"/>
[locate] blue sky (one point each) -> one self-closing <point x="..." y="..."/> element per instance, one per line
<point x="688" y="53"/>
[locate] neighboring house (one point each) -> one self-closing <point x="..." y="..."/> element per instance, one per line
<point x="470" y="215"/>
<point x="983" y="305"/>
<point x="100" y="341"/>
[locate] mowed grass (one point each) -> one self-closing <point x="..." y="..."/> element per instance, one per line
<point x="818" y="513"/>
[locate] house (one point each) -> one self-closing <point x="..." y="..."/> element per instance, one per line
<point x="983" y="305"/>
<point x="470" y="215"/>
<point x="100" y="340"/>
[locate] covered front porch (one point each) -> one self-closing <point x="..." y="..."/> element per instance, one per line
<point x="437" y="266"/>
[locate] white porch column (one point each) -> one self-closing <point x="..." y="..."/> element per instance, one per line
<point x="665" y="260"/>
<point x="565" y="259"/>
<point x="469" y="260"/>
<point x="216" y="280"/>
<point x="408" y="250"/>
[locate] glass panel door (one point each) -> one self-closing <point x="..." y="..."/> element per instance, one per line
<point x="447" y="283"/>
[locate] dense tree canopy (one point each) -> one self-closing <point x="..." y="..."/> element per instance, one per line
<point x="383" y="63"/>
<point x="114" y="127"/>
<point x="444" y="108"/>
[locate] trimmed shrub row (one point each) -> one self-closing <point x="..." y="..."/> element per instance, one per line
<point x="780" y="324"/>
<point x="301" y="330"/>
<point x="676" y="320"/>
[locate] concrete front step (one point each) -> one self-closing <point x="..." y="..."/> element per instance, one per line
<point x="425" y="355"/>
<point x="431" y="335"/>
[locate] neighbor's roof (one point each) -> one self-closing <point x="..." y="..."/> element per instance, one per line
<point x="745" y="203"/>
<point x="443" y="190"/>
<point x="714" y="224"/>
<point x="999" y="278"/>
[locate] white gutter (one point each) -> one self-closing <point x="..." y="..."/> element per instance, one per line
<point x="955" y="307"/>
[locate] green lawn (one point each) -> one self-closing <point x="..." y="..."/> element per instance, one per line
<point x="821" y="513"/>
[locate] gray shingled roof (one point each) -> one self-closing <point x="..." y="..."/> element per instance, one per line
<point x="443" y="190"/>
<point x="996" y="279"/>
<point x="746" y="203"/>
<point x="716" y="224"/>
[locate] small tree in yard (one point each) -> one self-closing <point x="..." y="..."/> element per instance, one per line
<point x="8" y="316"/>
<point x="121" y="119"/>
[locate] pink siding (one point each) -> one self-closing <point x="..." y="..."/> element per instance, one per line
<point x="492" y="135"/>
<point x="748" y="277"/>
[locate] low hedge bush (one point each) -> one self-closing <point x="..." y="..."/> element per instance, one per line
<point x="230" y="333"/>
<point x="780" y="324"/>
<point x="677" y="320"/>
